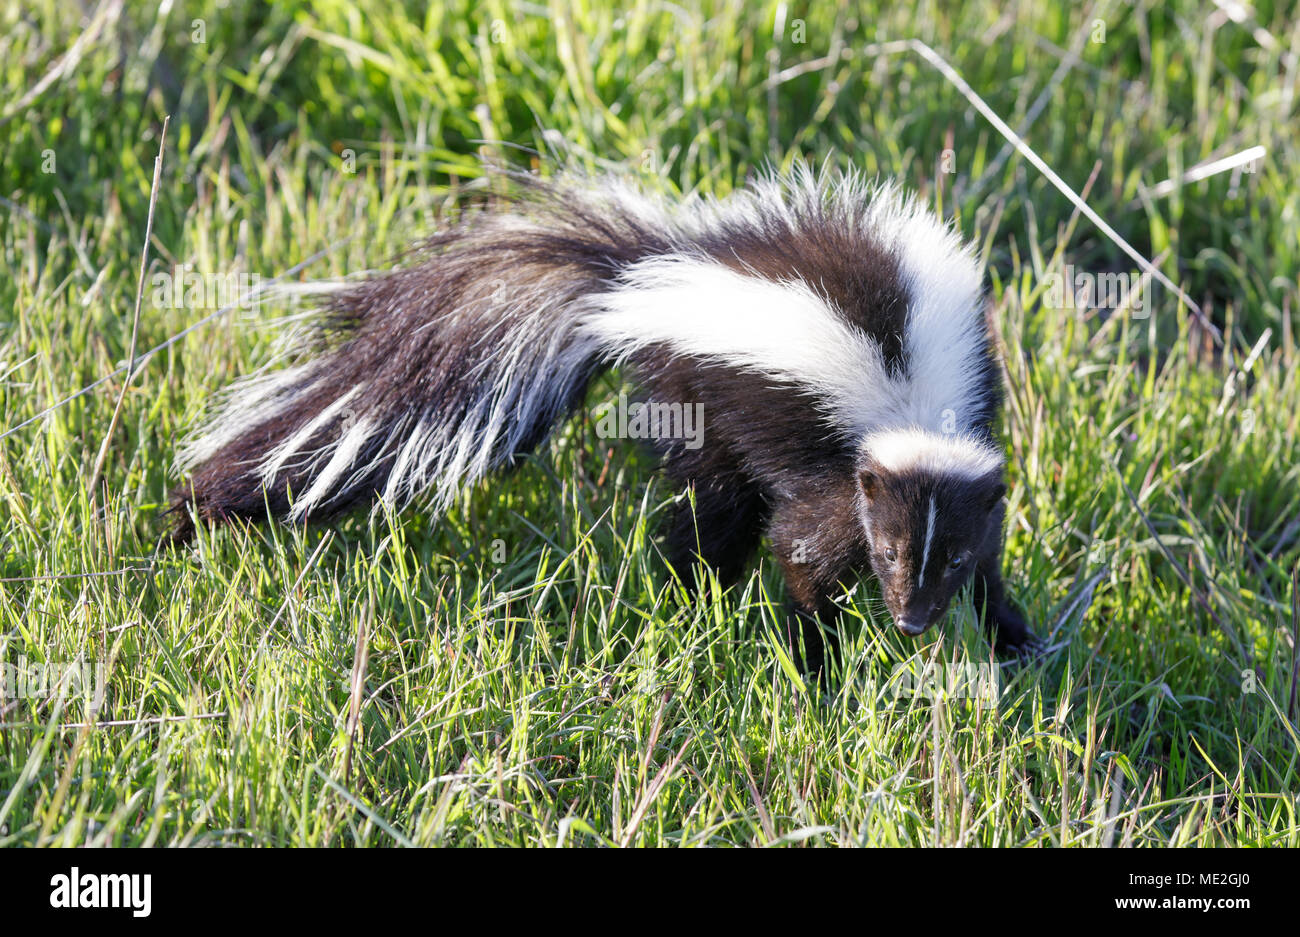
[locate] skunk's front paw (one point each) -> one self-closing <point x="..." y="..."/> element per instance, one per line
<point x="1030" y="648"/>
<point x="1011" y="635"/>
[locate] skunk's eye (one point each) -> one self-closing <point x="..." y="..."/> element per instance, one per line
<point x="957" y="562"/>
<point x="891" y="554"/>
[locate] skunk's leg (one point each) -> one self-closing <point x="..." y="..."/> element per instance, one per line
<point x="820" y="544"/>
<point x="721" y="530"/>
<point x="1004" y="622"/>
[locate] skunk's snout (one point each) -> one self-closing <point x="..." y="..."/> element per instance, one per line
<point x="915" y="617"/>
<point x="912" y="626"/>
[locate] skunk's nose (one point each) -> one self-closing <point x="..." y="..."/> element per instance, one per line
<point x="911" y="625"/>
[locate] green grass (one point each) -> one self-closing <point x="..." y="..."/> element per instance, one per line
<point x="526" y="672"/>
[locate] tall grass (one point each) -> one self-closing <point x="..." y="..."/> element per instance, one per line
<point x="524" y="670"/>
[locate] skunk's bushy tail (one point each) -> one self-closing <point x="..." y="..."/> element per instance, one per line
<point x="436" y="373"/>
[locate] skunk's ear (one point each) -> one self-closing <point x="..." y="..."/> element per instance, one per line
<point x="995" y="495"/>
<point x="869" y="482"/>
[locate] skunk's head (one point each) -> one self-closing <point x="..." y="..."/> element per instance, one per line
<point x="929" y="504"/>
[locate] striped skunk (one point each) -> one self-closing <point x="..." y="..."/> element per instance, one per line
<point x="832" y="328"/>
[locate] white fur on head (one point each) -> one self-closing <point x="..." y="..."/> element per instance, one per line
<point x="914" y="449"/>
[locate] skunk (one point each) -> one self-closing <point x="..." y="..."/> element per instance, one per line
<point x="831" y="327"/>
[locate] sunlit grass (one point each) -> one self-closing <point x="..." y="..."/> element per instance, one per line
<point x="526" y="671"/>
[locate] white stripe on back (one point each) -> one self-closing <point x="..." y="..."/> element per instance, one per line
<point x="786" y="331"/>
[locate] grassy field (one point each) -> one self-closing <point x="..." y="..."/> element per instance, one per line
<point x="524" y="671"/>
